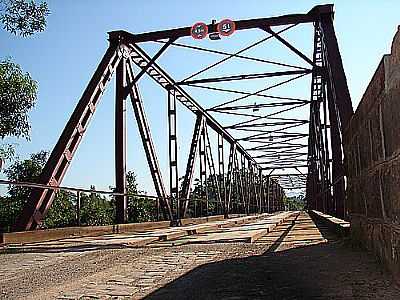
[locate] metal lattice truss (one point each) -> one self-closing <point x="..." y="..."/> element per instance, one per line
<point x="275" y="142"/>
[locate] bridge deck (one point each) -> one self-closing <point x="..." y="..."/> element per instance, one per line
<point x="298" y="259"/>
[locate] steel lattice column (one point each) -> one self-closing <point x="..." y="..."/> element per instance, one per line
<point x="268" y="194"/>
<point x="203" y="167"/>
<point x="221" y="169"/>
<point x="173" y="153"/>
<point x="120" y="142"/>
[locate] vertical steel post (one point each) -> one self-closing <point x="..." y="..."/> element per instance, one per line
<point x="245" y="175"/>
<point x="336" y="70"/>
<point x="240" y="183"/>
<point x="268" y="194"/>
<point x="278" y="197"/>
<point x="339" y="106"/>
<point x="173" y="153"/>
<point x="78" y="208"/>
<point x="229" y="179"/>
<point x="273" y="196"/>
<point x="203" y="167"/>
<point x="331" y="206"/>
<point x="253" y="187"/>
<point x="261" y="191"/>
<point x="120" y="142"/>
<point x="221" y="169"/>
<point x="338" y="186"/>
<point x="211" y="166"/>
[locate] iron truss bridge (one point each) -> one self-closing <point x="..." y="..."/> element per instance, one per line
<point x="251" y="142"/>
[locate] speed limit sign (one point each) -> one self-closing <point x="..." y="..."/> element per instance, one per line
<point x="199" y="31"/>
<point x="226" y="27"/>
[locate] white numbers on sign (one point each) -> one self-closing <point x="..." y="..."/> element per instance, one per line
<point x="226" y="27"/>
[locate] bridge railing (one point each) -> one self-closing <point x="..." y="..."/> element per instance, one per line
<point x="142" y="207"/>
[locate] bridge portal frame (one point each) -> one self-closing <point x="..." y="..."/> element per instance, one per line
<point x="124" y="52"/>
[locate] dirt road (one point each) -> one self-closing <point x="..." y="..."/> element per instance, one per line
<point x="297" y="260"/>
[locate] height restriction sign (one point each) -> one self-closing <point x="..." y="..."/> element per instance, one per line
<point x="199" y="31"/>
<point x="226" y="27"/>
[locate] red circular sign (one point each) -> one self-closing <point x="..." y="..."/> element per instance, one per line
<point x="226" y="27"/>
<point x="199" y="31"/>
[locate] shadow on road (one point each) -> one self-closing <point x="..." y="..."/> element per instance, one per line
<point x="307" y="270"/>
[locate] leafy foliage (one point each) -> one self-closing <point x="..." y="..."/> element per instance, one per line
<point x="61" y="213"/>
<point x="9" y="210"/>
<point x="24" y="18"/>
<point x="198" y="204"/>
<point x="18" y="92"/>
<point x="140" y="209"/>
<point x="7" y="152"/>
<point x="96" y="210"/>
<point x="294" y="202"/>
<point x="27" y="170"/>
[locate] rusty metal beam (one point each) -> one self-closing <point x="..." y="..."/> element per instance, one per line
<point x="187" y="181"/>
<point x="40" y="200"/>
<point x="229" y="179"/>
<point x="336" y="70"/>
<point x="211" y="165"/>
<point x="309" y="17"/>
<point x="148" y="144"/>
<point x="203" y="166"/>
<point x="287" y="44"/>
<point x="173" y="152"/>
<point x="221" y="169"/>
<point x="244" y="77"/>
<point x="121" y="204"/>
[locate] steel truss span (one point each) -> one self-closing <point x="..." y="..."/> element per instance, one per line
<point x="265" y="150"/>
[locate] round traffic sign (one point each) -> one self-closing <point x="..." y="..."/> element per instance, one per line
<point x="199" y="31"/>
<point x="226" y="27"/>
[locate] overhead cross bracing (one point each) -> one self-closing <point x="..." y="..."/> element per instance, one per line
<point x="254" y="115"/>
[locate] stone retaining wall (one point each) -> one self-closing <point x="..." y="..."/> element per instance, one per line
<point x="372" y="147"/>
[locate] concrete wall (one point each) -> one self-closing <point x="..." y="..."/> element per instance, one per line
<point x="372" y="146"/>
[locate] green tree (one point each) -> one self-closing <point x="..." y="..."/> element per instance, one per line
<point x="140" y="208"/>
<point x="22" y="17"/>
<point x="18" y="93"/>
<point x="294" y="202"/>
<point x="61" y="213"/>
<point x="21" y="170"/>
<point x="96" y="209"/>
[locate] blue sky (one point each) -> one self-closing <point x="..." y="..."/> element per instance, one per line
<point x="63" y="58"/>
